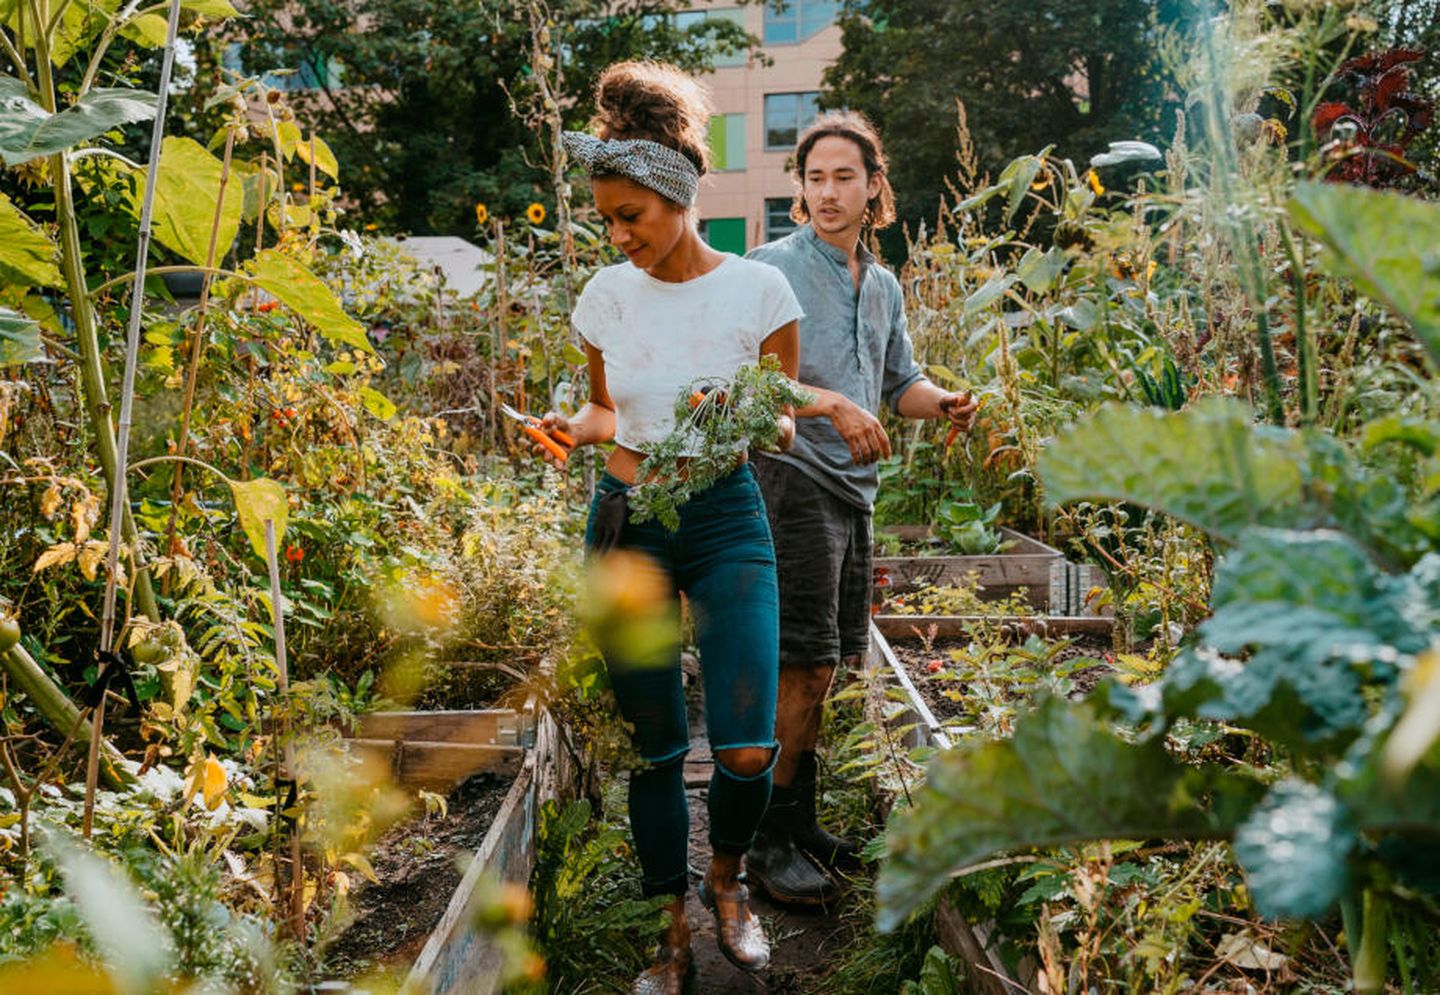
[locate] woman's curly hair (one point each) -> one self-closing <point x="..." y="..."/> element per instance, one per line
<point x="655" y="101"/>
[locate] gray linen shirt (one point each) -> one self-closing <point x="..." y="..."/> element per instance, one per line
<point x="854" y="344"/>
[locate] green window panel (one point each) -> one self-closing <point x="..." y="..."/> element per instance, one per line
<point x="727" y="142"/>
<point x="725" y="234"/>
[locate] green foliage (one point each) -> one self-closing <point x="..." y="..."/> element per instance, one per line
<point x="28" y="131"/>
<point x="1169" y="391"/>
<point x="298" y="289"/>
<point x="416" y="98"/>
<point x="906" y="64"/>
<point x="968" y="528"/>
<point x="941" y="974"/>
<point x="19" y="339"/>
<point x="587" y="918"/>
<point x="1206" y="466"/>
<point x="1384" y="242"/>
<point x="27" y="255"/>
<point x="728" y="418"/>
<point x="187" y="187"/>
<point x="1064" y="777"/>
<point x="1295" y="845"/>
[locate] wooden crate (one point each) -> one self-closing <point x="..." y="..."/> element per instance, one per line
<point x="436" y="750"/>
<point x="1026" y="566"/>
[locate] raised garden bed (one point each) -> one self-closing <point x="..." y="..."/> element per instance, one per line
<point x="1025" y="566"/>
<point x="499" y="765"/>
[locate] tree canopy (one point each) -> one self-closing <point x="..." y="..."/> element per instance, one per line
<point x="1029" y="74"/>
<point x="414" y="96"/>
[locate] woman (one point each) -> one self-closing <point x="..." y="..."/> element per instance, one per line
<point x="675" y="312"/>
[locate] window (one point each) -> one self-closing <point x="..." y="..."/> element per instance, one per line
<point x="689" y="18"/>
<point x="308" y="75"/>
<point x="727" y="142"/>
<point x="778" y="222"/>
<point x="724" y="234"/>
<point x="798" y="21"/>
<point x="786" y="115"/>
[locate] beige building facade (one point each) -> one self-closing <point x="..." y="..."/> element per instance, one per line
<point x="759" y="111"/>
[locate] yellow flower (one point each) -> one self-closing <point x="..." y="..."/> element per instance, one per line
<point x="1095" y="183"/>
<point x="482" y="214"/>
<point x="535" y="213"/>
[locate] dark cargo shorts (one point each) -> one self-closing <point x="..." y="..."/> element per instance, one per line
<point x="823" y="558"/>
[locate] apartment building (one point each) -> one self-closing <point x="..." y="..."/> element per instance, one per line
<point x="759" y="111"/>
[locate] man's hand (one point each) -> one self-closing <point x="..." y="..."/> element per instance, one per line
<point x="960" y="408"/>
<point x="861" y="431"/>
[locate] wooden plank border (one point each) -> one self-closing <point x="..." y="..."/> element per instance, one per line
<point x="1021" y="625"/>
<point x="1025" y="566"/>
<point x="957" y="935"/>
<point x="457" y="958"/>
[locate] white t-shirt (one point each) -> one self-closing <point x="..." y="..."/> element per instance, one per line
<point x="658" y="337"/>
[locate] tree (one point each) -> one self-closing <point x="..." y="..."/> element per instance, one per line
<point x="1029" y="74"/>
<point x="414" y="95"/>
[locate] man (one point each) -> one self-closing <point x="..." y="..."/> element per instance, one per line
<point x="855" y="354"/>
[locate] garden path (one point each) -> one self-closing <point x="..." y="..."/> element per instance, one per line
<point x="802" y="943"/>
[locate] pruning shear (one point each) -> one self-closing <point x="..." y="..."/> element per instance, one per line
<point x="558" y="445"/>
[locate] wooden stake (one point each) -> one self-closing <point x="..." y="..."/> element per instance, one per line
<point x="502" y="305"/>
<point x="296" y="902"/>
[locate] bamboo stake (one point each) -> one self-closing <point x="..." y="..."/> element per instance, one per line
<point x="127" y="404"/>
<point x="502" y="305"/>
<point x="296" y="895"/>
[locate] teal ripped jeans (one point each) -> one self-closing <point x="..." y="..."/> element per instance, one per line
<point x="723" y="559"/>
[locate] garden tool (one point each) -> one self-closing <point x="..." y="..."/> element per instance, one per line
<point x="559" y="444"/>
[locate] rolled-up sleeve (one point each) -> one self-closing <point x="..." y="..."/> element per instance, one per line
<point x="901" y="370"/>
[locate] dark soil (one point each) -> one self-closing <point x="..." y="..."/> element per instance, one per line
<point x="803" y="943"/>
<point x="419" y="864"/>
<point x="945" y="690"/>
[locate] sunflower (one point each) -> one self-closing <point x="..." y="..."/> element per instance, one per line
<point x="482" y="214"/>
<point x="535" y="213"/>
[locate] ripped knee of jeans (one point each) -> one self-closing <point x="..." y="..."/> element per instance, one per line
<point x="670" y="758"/>
<point x="747" y="763"/>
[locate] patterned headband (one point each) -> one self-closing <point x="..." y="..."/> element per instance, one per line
<point x="648" y="163"/>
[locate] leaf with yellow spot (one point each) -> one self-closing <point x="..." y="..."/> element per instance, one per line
<point x="57" y="555"/>
<point x="91" y="554"/>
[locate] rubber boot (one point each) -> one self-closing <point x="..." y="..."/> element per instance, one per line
<point x="775" y="864"/>
<point x="830" y="850"/>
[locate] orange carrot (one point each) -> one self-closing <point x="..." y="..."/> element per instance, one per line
<point x="554" y="448"/>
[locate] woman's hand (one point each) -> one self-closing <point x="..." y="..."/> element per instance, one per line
<point x="786" y="425"/>
<point x="557" y="427"/>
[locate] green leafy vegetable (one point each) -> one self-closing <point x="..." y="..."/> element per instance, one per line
<point x="727" y="419"/>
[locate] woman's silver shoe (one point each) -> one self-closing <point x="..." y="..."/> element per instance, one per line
<point x="738" y="932"/>
<point x="671" y="974"/>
